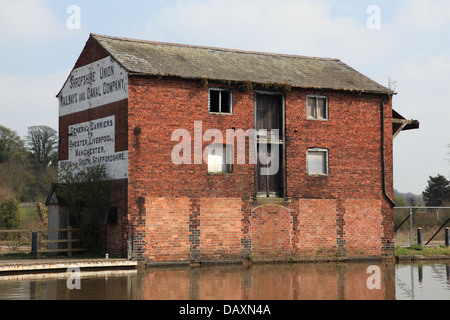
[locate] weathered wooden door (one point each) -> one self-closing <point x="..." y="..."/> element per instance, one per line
<point x="269" y="125"/>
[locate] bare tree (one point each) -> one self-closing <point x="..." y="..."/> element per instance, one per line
<point x="42" y="142"/>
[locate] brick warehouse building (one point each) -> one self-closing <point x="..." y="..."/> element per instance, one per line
<point x="125" y="101"/>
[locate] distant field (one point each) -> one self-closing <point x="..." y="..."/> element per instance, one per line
<point x="30" y="217"/>
<point x="29" y="214"/>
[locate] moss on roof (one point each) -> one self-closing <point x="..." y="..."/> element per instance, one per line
<point x="196" y="62"/>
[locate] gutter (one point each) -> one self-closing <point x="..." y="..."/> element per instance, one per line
<point x="383" y="149"/>
<point x="264" y="85"/>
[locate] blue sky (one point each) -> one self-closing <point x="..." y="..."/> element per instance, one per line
<point x="411" y="46"/>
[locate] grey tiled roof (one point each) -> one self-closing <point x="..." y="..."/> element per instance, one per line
<point x="195" y="62"/>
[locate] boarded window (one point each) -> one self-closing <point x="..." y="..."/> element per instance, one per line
<point x="220" y="101"/>
<point x="317" y="161"/>
<point x="269" y="120"/>
<point x="317" y="107"/>
<point x="220" y="158"/>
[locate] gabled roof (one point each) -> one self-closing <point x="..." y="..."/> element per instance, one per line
<point x="196" y="62"/>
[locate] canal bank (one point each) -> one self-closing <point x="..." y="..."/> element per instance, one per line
<point x="57" y="265"/>
<point x="27" y="266"/>
<point x="43" y="265"/>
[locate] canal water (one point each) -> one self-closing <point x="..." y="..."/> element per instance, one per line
<point x="318" y="281"/>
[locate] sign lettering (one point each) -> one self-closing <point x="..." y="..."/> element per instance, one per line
<point x="93" y="85"/>
<point x="93" y="143"/>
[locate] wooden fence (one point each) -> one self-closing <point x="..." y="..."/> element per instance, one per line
<point x="20" y="241"/>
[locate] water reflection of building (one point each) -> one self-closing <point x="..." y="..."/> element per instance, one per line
<point x="269" y="282"/>
<point x="311" y="281"/>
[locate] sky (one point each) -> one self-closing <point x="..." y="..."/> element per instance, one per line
<point x="405" y="42"/>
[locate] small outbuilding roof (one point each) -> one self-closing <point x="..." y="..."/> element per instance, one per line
<point x="197" y="62"/>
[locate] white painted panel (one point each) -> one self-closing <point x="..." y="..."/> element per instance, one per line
<point x="93" y="143"/>
<point x="216" y="159"/>
<point x="93" y="85"/>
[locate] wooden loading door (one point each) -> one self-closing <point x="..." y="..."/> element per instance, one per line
<point x="269" y="116"/>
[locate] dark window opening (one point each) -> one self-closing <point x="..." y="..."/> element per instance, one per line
<point x="113" y="216"/>
<point x="110" y="215"/>
<point x="220" y="101"/>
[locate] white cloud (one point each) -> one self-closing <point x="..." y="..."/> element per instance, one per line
<point x="430" y="15"/>
<point x="30" y="100"/>
<point x="423" y="82"/>
<point x="287" y="26"/>
<point x="27" y="20"/>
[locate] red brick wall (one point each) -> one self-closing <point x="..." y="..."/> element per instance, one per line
<point x="271" y="232"/>
<point x="352" y="136"/>
<point x="220" y="229"/>
<point x="317" y="227"/>
<point x="167" y="229"/>
<point x="363" y="230"/>
<point x="307" y="224"/>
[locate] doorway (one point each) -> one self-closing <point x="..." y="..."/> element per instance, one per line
<point x="270" y="146"/>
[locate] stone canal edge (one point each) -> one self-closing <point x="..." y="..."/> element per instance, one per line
<point x="58" y="265"/>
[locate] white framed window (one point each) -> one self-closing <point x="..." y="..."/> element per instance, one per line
<point x="317" y="161"/>
<point x="316" y="107"/>
<point x="220" y="158"/>
<point x="220" y="101"/>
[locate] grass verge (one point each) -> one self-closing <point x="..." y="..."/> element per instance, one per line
<point x="422" y="250"/>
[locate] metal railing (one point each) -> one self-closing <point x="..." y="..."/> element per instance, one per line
<point x="422" y="223"/>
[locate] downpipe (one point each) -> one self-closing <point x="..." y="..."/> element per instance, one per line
<point x="383" y="149"/>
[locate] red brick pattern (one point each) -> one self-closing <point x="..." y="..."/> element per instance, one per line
<point x="317" y="227"/>
<point x="271" y="232"/>
<point x="220" y="229"/>
<point x="363" y="230"/>
<point x="167" y="229"/>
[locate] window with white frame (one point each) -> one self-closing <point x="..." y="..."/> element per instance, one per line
<point x="317" y="161"/>
<point x="220" y="158"/>
<point x="317" y="107"/>
<point x="220" y="101"/>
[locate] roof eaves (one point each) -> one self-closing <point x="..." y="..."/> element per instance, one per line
<point x="161" y="75"/>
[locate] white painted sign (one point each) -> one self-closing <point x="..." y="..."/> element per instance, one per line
<point x="92" y="143"/>
<point x="93" y="85"/>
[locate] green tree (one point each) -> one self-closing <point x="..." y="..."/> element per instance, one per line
<point x="9" y="214"/>
<point x="85" y="193"/>
<point x="15" y="175"/>
<point x="437" y="191"/>
<point x="12" y="146"/>
<point x="400" y="201"/>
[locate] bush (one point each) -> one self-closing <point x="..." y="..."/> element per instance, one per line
<point x="9" y="214"/>
<point x="85" y="193"/>
<point x="42" y="211"/>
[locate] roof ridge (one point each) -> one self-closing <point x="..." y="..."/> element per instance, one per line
<point x="213" y="48"/>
